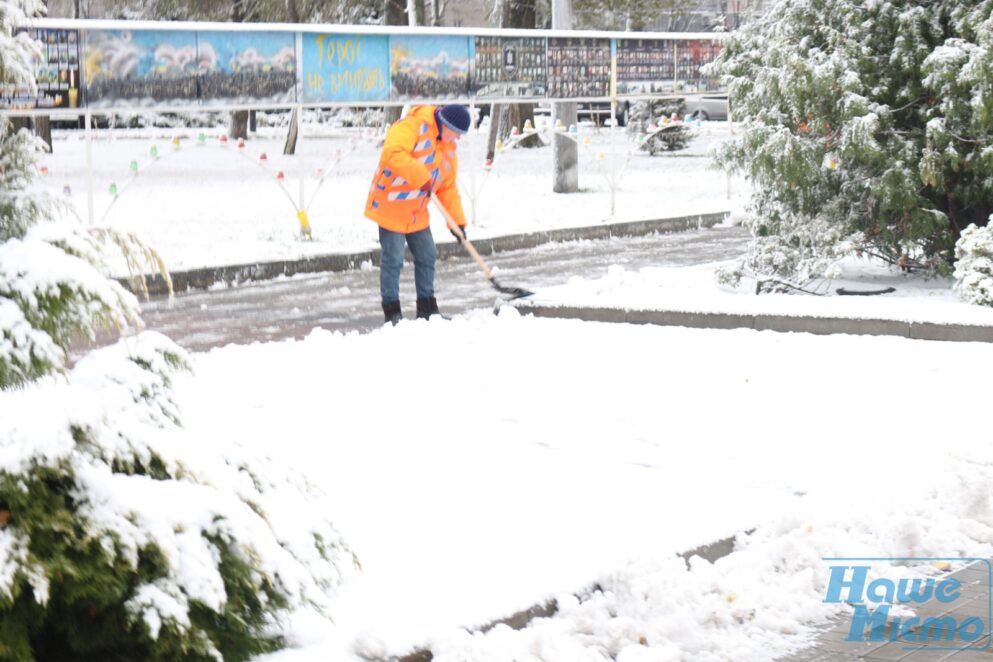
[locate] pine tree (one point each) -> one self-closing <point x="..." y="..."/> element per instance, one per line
<point x="120" y="539"/>
<point x="865" y="127"/>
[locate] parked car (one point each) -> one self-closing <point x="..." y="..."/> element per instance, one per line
<point x="708" y="106"/>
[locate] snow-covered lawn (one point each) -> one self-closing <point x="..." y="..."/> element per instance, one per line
<point x="208" y="205"/>
<point x="481" y="465"/>
<point x="694" y="289"/>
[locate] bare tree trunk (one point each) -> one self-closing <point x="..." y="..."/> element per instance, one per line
<point x="565" y="158"/>
<point x="432" y="12"/>
<point x="522" y="14"/>
<point x="293" y="11"/>
<point x="396" y="13"/>
<point x="43" y="124"/>
<point x="290" y="146"/>
<point x="239" y="125"/>
<point x="43" y="128"/>
<point x="520" y="113"/>
<point x="496" y="112"/>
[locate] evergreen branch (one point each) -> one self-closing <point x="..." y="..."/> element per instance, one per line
<point x="978" y="141"/>
<point x="907" y="105"/>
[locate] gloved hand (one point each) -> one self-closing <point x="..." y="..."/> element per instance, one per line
<point x="426" y="188"/>
<point x="465" y="234"/>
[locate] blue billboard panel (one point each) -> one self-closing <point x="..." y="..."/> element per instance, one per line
<point x="247" y="66"/>
<point x="141" y="67"/>
<point x="429" y="67"/>
<point x="345" y="67"/>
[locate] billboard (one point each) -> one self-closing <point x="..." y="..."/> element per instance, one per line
<point x="578" y="67"/>
<point x="692" y="55"/>
<point x="56" y="74"/>
<point x="247" y="66"/>
<point x="142" y="67"/>
<point x="150" y="66"/>
<point x="509" y="67"/>
<point x="645" y="66"/>
<point x="345" y="67"/>
<point x="429" y="67"/>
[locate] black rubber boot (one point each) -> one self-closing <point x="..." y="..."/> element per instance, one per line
<point x="392" y="312"/>
<point x="427" y="308"/>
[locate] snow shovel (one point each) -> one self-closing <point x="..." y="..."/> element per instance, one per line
<point x="514" y="292"/>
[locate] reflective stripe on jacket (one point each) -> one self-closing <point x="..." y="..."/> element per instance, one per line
<point x="413" y="154"/>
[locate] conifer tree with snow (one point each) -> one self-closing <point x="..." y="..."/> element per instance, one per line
<point x="121" y="538"/>
<point x="866" y="128"/>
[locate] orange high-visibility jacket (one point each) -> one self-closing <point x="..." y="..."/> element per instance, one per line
<point x="413" y="154"/>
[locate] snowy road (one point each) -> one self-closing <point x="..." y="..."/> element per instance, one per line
<point x="347" y="301"/>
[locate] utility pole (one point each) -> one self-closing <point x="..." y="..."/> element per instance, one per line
<point x="565" y="157"/>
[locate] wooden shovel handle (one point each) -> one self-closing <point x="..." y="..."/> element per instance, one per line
<point x="454" y="227"/>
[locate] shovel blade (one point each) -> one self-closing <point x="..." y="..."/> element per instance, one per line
<point x="514" y="292"/>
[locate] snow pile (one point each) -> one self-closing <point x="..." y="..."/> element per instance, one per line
<point x="974" y="265"/>
<point x="758" y="603"/>
<point x="196" y="534"/>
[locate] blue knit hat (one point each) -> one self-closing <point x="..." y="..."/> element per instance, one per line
<point x="455" y="118"/>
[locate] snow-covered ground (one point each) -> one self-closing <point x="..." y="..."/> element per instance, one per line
<point x="694" y="289"/>
<point x="205" y="204"/>
<point x="481" y="465"/>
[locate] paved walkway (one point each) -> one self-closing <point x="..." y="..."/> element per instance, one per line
<point x="258" y="271"/>
<point x="349" y="300"/>
<point x="833" y="646"/>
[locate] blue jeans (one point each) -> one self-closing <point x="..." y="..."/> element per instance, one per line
<point x="421" y="247"/>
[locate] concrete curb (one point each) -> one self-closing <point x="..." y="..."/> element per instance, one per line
<point x="764" y="322"/>
<point x="710" y="551"/>
<point x="236" y="273"/>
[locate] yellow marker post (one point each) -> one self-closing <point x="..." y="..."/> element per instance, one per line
<point x="304" y="224"/>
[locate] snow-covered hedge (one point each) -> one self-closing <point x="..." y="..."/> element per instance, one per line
<point x="974" y="265"/>
<point x="863" y="127"/>
<point x="123" y="538"/>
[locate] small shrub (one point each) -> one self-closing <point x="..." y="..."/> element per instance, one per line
<point x="974" y="265"/>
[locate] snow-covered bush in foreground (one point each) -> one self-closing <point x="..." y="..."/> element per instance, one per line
<point x="121" y="538"/>
<point x="974" y="265"/>
<point x="864" y="127"/>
